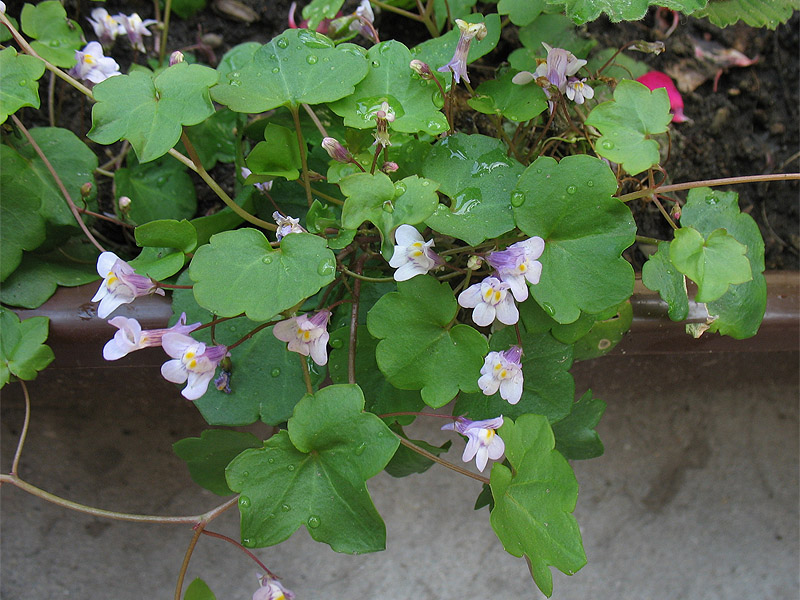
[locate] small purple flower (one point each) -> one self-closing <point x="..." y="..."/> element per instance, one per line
<point x="517" y="264"/>
<point x="131" y="337"/>
<point x="336" y="151"/>
<point x="121" y="284"/>
<point x="92" y="66"/>
<point x="578" y="91"/>
<point x="192" y="361"/>
<point x="286" y="225"/>
<point x="306" y="335"/>
<point x="412" y="254"/>
<point x="364" y="20"/>
<point x="271" y="589"/>
<point x="262" y="187"/>
<point x="491" y="300"/>
<point x="503" y="371"/>
<point x="483" y="442"/>
<point x="106" y="27"/>
<point x="135" y="28"/>
<point x="383" y="116"/>
<point x="458" y="64"/>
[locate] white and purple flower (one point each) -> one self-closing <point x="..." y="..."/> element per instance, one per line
<point x="121" y="285"/>
<point x="558" y="65"/>
<point x="135" y="28"/>
<point x="286" y="225"/>
<point x="517" y="264"/>
<point x="263" y="187"/>
<point x="578" y="91"/>
<point x="306" y="335"/>
<point x="458" y="64"/>
<point x="92" y="66"/>
<point x="106" y="27"/>
<point x="412" y="254"/>
<point x="131" y="337"/>
<point x="271" y="589"/>
<point x="483" y="442"/>
<point x="193" y="361"/>
<point x="490" y="300"/>
<point x="503" y="371"/>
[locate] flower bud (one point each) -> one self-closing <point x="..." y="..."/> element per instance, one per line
<point x="675" y="212"/>
<point x="474" y="263"/>
<point x="420" y="68"/>
<point x="124" y="204"/>
<point x="389" y="167"/>
<point x="649" y="47"/>
<point x="336" y="151"/>
<point x="86" y="189"/>
<point x="175" y="58"/>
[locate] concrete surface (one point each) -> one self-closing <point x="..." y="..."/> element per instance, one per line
<point x="696" y="497"/>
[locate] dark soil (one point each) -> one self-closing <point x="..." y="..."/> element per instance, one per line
<point x="747" y="126"/>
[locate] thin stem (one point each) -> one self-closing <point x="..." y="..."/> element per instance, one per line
<point x="51" y="93"/>
<point x="535" y="145"/>
<point x="252" y="333"/>
<point x="675" y="187"/>
<point x="351" y="348"/>
<point x="613" y="56"/>
<point x="509" y="143"/>
<point x="59" y="183"/>
<point x="24" y="433"/>
<point x="375" y="159"/>
<point x="186" y="558"/>
<point x="347" y="271"/>
<point x="399" y="11"/>
<point x="306" y="374"/>
<point x="317" y="122"/>
<point x="218" y="321"/>
<point x="442" y="462"/>
<point x="325" y="196"/>
<point x="165" y="32"/>
<point x="648" y="240"/>
<point x="242" y="548"/>
<point x="303" y="150"/>
<point x="195" y="165"/>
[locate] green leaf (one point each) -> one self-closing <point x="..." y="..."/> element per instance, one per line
<point x="416" y="103"/>
<point x="256" y="279"/>
<point x="167" y="233"/>
<point x="55" y="37"/>
<point x="186" y="9"/>
<point x="557" y="31"/>
<point x="158" y="190"/>
<point x="158" y="263"/>
<point x="575" y="435"/>
<point x="570" y="205"/>
<point x="318" y="10"/>
<point x="298" y="66"/>
<point x="604" y="335"/>
<point x="756" y="13"/>
<point x="660" y="275"/>
<point x="503" y="97"/>
<point x="38" y="276"/>
<point x="149" y="111"/>
<point x="22" y="349"/>
<point x="419" y="350"/>
<point x="387" y="205"/>
<point x="406" y="462"/>
<point x="208" y="455"/>
<point x="583" y="11"/>
<point x="713" y="264"/>
<point x="477" y="176"/>
<point x="215" y="139"/>
<point x="521" y="12"/>
<point x="548" y="387"/>
<point x="224" y="219"/>
<point x="278" y="156"/>
<point x="19" y="85"/>
<point x="259" y="363"/>
<point x="314" y="474"/>
<point x="532" y="514"/>
<point x="739" y="312"/>
<point x="72" y="160"/>
<point x="626" y="122"/>
<point x="198" y="590"/>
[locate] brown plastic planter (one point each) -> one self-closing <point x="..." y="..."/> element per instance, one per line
<point x="77" y="335"/>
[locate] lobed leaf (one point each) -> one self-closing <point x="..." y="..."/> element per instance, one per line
<point x="55" y="37"/>
<point x="756" y="13"/>
<point x="158" y="190"/>
<point x="583" y="11"/>
<point x="22" y="349"/>
<point x="660" y="275"/>
<point x="19" y="82"/>
<point x="576" y="438"/>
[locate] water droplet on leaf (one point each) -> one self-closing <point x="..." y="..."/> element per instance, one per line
<point x="517" y="199"/>
<point x="290" y="468"/>
<point x="244" y="502"/>
<point x="326" y="267"/>
<point x="282" y="43"/>
<point x="267" y="259"/>
<point x="313" y="521"/>
<point x="376" y="63"/>
<point x="23" y="82"/>
<point x="590" y="183"/>
<point x="275" y="372"/>
<point x="399" y="188"/>
<point x="360" y="448"/>
<point x="311" y="59"/>
<point x="337" y="343"/>
<point x="276" y="69"/>
<point x="571" y="189"/>
<point x="607" y="144"/>
<point x="548" y="308"/>
<point x="270" y="460"/>
<point x="285" y="507"/>
<point x="247" y="542"/>
<point x="388" y="207"/>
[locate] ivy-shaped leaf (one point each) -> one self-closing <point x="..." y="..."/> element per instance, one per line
<point x="158" y="190"/>
<point x="604" y="335"/>
<point x="167" y="233"/>
<point x="317" y="10"/>
<point x="533" y="504"/>
<point x="149" y="111"/>
<point x="502" y="96"/>
<point x="298" y="66"/>
<point x="55" y="38"/>
<point x="660" y="275"/>
<point x="277" y="156"/>
<point x="238" y="272"/>
<point x="570" y="205"/>
<point x="576" y="438"/>
<point x="208" y="455"/>
<point x="756" y="13"/>
<point x="419" y="350"/>
<point x="315" y="475"/>
<point x="385" y="204"/>
<point x="548" y="386"/>
<point x="22" y="349"/>
<point x="19" y="82"/>
<point x="713" y="263"/>
<point x="738" y="312"/>
<point x="583" y="11"/>
<point x="416" y="102"/>
<point x="626" y="122"/>
<point x="477" y="176"/>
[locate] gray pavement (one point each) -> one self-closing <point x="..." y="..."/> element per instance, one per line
<point x="696" y="497"/>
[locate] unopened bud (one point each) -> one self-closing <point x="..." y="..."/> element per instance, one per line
<point x="86" y="189"/>
<point x="420" y="68"/>
<point x="175" y="58"/>
<point x="676" y="212"/>
<point x="474" y="263"/>
<point x="389" y="167"/>
<point x="649" y="47"/>
<point x="336" y="151"/>
<point x="124" y="204"/>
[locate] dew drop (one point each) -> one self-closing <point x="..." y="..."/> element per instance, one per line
<point x="607" y="144"/>
<point x="376" y="63"/>
<point x="282" y="43"/>
<point x="399" y="188"/>
<point x="245" y="473"/>
<point x="290" y="468"/>
<point x="273" y="57"/>
<point x="388" y="207"/>
<point x="517" y="199"/>
<point x="326" y="267"/>
<point x="547" y="491"/>
<point x="384" y="48"/>
<point x="425" y="183"/>
<point x="275" y="372"/>
<point x="271" y="515"/>
<point x="244" y="502"/>
<point x="337" y="343"/>
<point x="311" y="59"/>
<point x="360" y="448"/>
<point x="571" y="189"/>
<point x="313" y="521"/>
<point x="267" y="259"/>
<point x="55" y="43"/>
<point x="590" y="183"/>
<point x="276" y="69"/>
<point x="285" y="507"/>
<point x="247" y="542"/>
<point x="23" y="82"/>
<point x="548" y="308"/>
<point x="270" y="460"/>
<point x="438" y="101"/>
<point x="232" y="327"/>
<point x="539" y="171"/>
